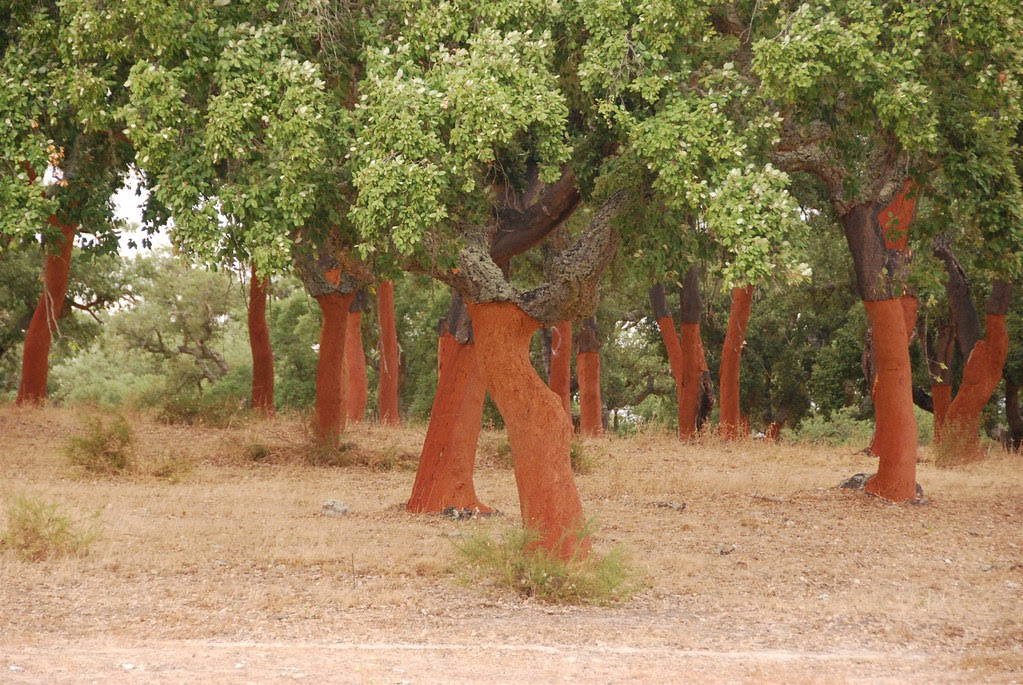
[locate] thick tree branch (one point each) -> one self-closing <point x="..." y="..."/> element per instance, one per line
<point x="516" y="229"/>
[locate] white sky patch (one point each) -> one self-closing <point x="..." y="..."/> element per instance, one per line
<point x="128" y="204"/>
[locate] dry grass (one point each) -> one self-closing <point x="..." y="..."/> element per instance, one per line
<point x="743" y="546"/>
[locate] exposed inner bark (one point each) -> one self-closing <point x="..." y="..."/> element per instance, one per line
<point x="876" y="234"/>
<point x="35" y="362"/>
<point x="329" y="415"/>
<point x="387" y="396"/>
<point x="561" y="364"/>
<point x="445" y="475"/>
<point x="356" y="377"/>
<point x="685" y="353"/>
<point x="895" y="435"/>
<point x="731" y="353"/>
<point x="985" y="358"/>
<point x="539" y="432"/>
<point x="981" y="375"/>
<point x="259" y="344"/>
<point x="587" y="363"/>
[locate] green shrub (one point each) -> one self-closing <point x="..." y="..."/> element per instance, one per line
<point x="38" y="530"/>
<point x="172" y="468"/>
<point x="215" y="410"/>
<point x="581" y="459"/>
<point x="514" y="561"/>
<point x="842" y="427"/>
<point x="104" y="449"/>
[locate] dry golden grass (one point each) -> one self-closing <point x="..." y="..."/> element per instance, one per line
<point x="746" y="547"/>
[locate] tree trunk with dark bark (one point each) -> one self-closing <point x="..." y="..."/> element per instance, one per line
<point x="356" y="377"/>
<point x="387" y="394"/>
<point x="445" y="475"/>
<point x="875" y="235"/>
<point x="539" y="432"/>
<point x="35" y="362"/>
<point x="561" y="364"/>
<point x="259" y="344"/>
<point x="732" y="424"/>
<point x="587" y="368"/>
<point x="940" y="354"/>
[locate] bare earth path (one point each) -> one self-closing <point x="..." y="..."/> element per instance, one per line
<point x="755" y="569"/>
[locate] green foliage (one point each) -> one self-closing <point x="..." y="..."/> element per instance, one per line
<point x="201" y="410"/>
<point x="38" y="530"/>
<point x="515" y="562"/>
<point x="105" y="448"/>
<point x="841" y="427"/>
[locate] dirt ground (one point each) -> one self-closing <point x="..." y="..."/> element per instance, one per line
<point x="755" y="568"/>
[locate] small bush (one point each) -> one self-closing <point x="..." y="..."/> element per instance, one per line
<point x="171" y="468"/>
<point x="581" y="459"/>
<point x="193" y="410"/>
<point x="840" y="428"/>
<point x="513" y="561"/>
<point x="38" y="530"/>
<point x="319" y="454"/>
<point x="257" y="452"/>
<point x="104" y="449"/>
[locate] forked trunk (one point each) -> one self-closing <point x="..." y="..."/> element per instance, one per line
<point x="587" y="369"/>
<point x="259" y="344"/>
<point x="446" y="464"/>
<point x="981" y="376"/>
<point x="539" y="432"/>
<point x="876" y="237"/>
<point x="685" y="352"/>
<point x="329" y="414"/>
<point x="35" y="362"/>
<point x="387" y="397"/>
<point x="731" y="354"/>
<point x="356" y="378"/>
<point x="561" y="364"/>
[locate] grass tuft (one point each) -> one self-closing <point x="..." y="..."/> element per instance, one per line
<point x="38" y="530"/>
<point x="513" y="561"/>
<point x="105" y="449"/>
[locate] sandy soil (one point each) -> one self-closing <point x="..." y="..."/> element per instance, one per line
<point x="755" y="568"/>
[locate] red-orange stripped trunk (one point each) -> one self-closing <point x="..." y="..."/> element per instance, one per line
<point x="387" y="394"/>
<point x="356" y="377"/>
<point x="685" y="352"/>
<point x="329" y="414"/>
<point x="587" y="369"/>
<point x="561" y="364"/>
<point x="35" y="362"/>
<point x="909" y="306"/>
<point x="876" y="236"/>
<point x="981" y="376"/>
<point x="539" y="432"/>
<point x="446" y="464"/>
<point x="259" y="344"/>
<point x="732" y="425"/>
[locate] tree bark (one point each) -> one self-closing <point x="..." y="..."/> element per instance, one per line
<point x="259" y="344"/>
<point x="940" y="356"/>
<point x="387" y="397"/>
<point x="981" y="376"/>
<point x="561" y="364"/>
<point x="1013" y="414"/>
<point x="731" y="353"/>
<point x="35" y="362"/>
<point x="876" y="237"/>
<point x="685" y="351"/>
<point x="539" y="432"/>
<point x="445" y="475"/>
<point x="329" y="415"/>
<point x="356" y="378"/>
<point x="587" y="368"/>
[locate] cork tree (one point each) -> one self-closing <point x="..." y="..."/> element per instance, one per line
<point x="60" y="160"/>
<point x="874" y="97"/>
